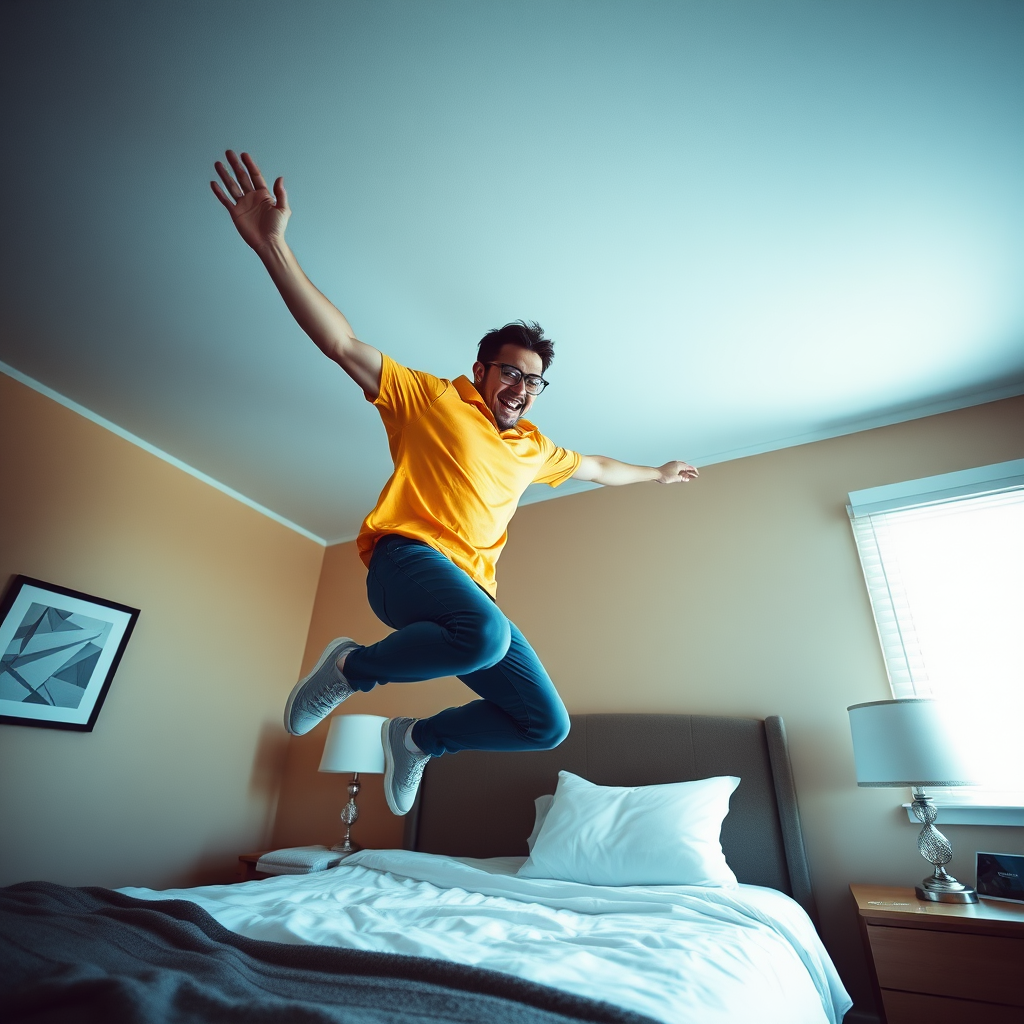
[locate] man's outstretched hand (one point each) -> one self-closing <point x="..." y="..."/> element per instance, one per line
<point x="611" y="473"/>
<point x="259" y="216"/>
<point x="677" y="472"/>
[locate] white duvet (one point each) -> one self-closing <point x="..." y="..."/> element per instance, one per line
<point x="675" y="953"/>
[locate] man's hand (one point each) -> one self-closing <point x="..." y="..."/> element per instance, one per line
<point x="602" y="470"/>
<point x="676" y="472"/>
<point x="259" y="216"/>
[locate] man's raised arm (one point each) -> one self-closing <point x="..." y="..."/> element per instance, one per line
<point x="601" y="470"/>
<point x="261" y="219"/>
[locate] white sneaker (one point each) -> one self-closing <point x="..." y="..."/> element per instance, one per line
<point x="316" y="695"/>
<point x="403" y="769"/>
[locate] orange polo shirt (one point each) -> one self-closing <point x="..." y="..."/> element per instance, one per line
<point x="458" y="478"/>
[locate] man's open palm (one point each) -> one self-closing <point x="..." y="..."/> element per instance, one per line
<point x="259" y="216"/>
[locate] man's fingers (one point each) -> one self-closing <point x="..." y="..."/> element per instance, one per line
<point x="225" y="175"/>
<point x="219" y="193"/>
<point x="254" y="171"/>
<point x="240" y="172"/>
<point x="677" y="471"/>
<point x="280" y="195"/>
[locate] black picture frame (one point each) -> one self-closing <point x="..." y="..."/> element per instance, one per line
<point x="59" y="650"/>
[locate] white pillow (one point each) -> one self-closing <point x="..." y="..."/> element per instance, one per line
<point x="541" y="806"/>
<point x="641" y="835"/>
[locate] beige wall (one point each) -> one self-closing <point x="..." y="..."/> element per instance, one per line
<point x="181" y="772"/>
<point x="739" y="594"/>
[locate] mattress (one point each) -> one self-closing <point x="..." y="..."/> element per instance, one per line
<point x="674" y="953"/>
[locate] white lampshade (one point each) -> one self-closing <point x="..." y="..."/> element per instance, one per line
<point x="911" y="742"/>
<point x="353" y="745"/>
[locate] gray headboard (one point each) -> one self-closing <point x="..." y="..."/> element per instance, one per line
<point x="480" y="803"/>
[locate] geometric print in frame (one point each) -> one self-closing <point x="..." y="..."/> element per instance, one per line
<point x="59" y="651"/>
<point x="52" y="657"/>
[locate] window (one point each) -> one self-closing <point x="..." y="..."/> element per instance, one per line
<point x="943" y="559"/>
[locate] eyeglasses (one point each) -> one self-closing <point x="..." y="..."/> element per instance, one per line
<point x="513" y="375"/>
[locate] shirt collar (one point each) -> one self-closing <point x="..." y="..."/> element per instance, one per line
<point x="469" y="394"/>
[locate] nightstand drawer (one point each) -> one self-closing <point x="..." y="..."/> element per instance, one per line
<point x="944" y="963"/>
<point x="914" y="1008"/>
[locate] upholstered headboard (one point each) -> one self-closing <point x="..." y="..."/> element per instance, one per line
<point x="480" y="803"/>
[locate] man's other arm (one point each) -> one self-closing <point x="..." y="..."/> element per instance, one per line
<point x="602" y="470"/>
<point x="260" y="218"/>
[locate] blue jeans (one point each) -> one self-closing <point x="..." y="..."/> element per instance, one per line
<point x="446" y="625"/>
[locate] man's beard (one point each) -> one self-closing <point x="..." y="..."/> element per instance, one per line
<point x="506" y="419"/>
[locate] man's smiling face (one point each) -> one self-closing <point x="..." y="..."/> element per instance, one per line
<point x="507" y="402"/>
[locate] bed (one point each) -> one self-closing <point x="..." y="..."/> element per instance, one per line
<point x="450" y="928"/>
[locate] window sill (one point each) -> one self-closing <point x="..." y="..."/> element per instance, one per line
<point x="973" y="814"/>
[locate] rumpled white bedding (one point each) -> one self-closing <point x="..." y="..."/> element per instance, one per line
<point x="747" y="955"/>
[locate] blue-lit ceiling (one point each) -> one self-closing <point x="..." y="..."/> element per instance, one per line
<point x="744" y="223"/>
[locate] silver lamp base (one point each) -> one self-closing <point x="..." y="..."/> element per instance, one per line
<point x="349" y="814"/>
<point x="346" y="847"/>
<point x="939" y="887"/>
<point x="955" y="893"/>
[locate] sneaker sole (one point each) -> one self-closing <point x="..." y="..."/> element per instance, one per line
<point x="389" y="767"/>
<point x="329" y="651"/>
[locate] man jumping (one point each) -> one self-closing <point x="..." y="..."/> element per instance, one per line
<point x="463" y="455"/>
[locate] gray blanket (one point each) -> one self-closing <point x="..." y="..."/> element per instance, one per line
<point x="93" y="955"/>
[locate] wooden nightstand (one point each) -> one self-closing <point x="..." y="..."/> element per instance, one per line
<point x="247" y="867"/>
<point x="943" y="963"/>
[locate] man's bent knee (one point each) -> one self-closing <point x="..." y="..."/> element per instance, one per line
<point x="483" y="637"/>
<point x="549" y="731"/>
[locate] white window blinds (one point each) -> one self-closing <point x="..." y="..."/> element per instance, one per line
<point x="943" y="559"/>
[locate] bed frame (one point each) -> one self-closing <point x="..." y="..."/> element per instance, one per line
<point x="480" y="803"/>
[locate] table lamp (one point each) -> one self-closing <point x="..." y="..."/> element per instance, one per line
<point x="916" y="742"/>
<point x="353" y="745"/>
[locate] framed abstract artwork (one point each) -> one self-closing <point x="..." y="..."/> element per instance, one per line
<point x="59" y="650"/>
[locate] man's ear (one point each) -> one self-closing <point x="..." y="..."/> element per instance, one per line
<point x="478" y="372"/>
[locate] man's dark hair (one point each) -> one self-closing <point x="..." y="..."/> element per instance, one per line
<point x="521" y="333"/>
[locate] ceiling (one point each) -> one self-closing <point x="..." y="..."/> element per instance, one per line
<point x="745" y="224"/>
